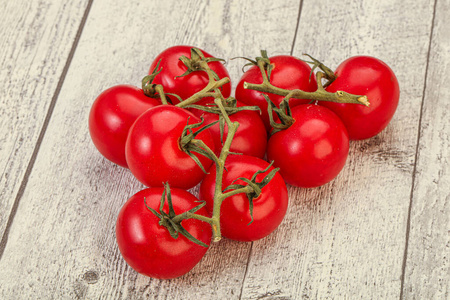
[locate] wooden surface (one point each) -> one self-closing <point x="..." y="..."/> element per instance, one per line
<point x="380" y="230"/>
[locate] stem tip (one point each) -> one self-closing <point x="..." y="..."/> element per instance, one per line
<point x="364" y="100"/>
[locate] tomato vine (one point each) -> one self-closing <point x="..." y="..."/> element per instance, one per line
<point x="307" y="145"/>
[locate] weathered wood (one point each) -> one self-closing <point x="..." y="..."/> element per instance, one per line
<point x="346" y="240"/>
<point x="427" y="273"/>
<point x="36" y="38"/>
<point x="62" y="242"/>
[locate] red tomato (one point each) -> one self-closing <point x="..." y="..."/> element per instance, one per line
<point x="153" y="150"/>
<point x="364" y="75"/>
<point x="288" y="72"/>
<point x="171" y="66"/>
<point x="313" y="150"/>
<point x="111" y="116"/>
<point x="268" y="209"/>
<point x="250" y="138"/>
<point x="148" y="247"/>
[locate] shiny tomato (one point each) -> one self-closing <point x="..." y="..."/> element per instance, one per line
<point x="250" y="138"/>
<point x="268" y="209"/>
<point x="111" y="116"/>
<point x="148" y="247"/>
<point x="288" y="72"/>
<point x="171" y="66"/>
<point x="364" y="75"/>
<point x="313" y="150"/>
<point x="153" y="149"/>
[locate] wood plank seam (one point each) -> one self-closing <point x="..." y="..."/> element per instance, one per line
<point x="419" y="127"/>
<point x="246" y="270"/>
<point x="291" y="53"/>
<point x="24" y="182"/>
<point x="296" y="27"/>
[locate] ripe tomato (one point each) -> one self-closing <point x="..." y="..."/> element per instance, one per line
<point x="148" y="247"/>
<point x="153" y="150"/>
<point x="111" y="116"/>
<point x="288" y="72"/>
<point x="364" y="75"/>
<point x="250" y="138"/>
<point x="313" y="150"/>
<point x="171" y="66"/>
<point x="268" y="209"/>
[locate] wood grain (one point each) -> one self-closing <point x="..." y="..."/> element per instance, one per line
<point x="427" y="273"/>
<point x="35" y="41"/>
<point x="346" y="240"/>
<point x="62" y="241"/>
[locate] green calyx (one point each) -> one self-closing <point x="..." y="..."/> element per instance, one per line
<point x="197" y="61"/>
<point x="170" y="220"/>
<point x="253" y="187"/>
<point x="328" y="73"/>
<point x="147" y="82"/>
<point x="189" y="143"/>
<point x="263" y="62"/>
<point x="283" y="112"/>
<point x="230" y="107"/>
<point x="154" y="90"/>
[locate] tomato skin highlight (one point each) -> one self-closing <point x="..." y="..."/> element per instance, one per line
<point x="269" y="208"/>
<point x="171" y="66"/>
<point x="365" y="75"/>
<point x="111" y="116"/>
<point x="313" y="150"/>
<point x="153" y="150"/>
<point x="289" y="72"/>
<point x="148" y="247"/>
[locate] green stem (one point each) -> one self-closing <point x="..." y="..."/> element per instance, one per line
<point x="244" y="190"/>
<point x="212" y="85"/>
<point x="319" y="95"/>
<point x="159" y="89"/>
<point x="201" y="144"/>
<point x="329" y="74"/>
<point x="189" y="215"/>
<point x="212" y="89"/>
<point x="205" y="92"/>
<point x="338" y="97"/>
<point x="262" y="68"/>
<point x="220" y="167"/>
<point x="203" y="65"/>
<point x="219" y="196"/>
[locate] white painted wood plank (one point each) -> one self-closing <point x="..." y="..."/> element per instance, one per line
<point x="35" y="41"/>
<point x="346" y="240"/>
<point x="427" y="273"/>
<point x="62" y="242"/>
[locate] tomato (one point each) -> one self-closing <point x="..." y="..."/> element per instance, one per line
<point x="171" y="66"/>
<point x="153" y="150"/>
<point x="249" y="139"/>
<point x="148" y="247"/>
<point x="364" y="75"/>
<point x="313" y="150"/>
<point x="111" y="116"/>
<point x="268" y="209"/>
<point x="288" y="72"/>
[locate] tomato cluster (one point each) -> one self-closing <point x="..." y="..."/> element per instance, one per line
<point x="182" y="129"/>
